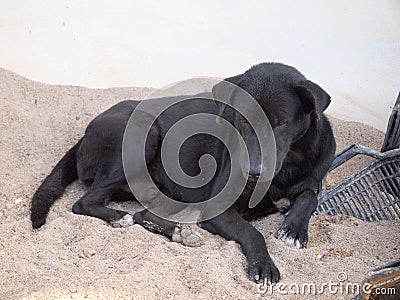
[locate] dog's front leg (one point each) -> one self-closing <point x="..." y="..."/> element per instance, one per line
<point x="231" y="226"/>
<point x="294" y="229"/>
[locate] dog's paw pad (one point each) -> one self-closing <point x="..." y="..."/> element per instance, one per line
<point x="125" y="221"/>
<point x="187" y="236"/>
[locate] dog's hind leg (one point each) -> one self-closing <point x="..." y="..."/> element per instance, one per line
<point x="154" y="223"/>
<point x="94" y="201"/>
<point x="294" y="229"/>
<point x="180" y="233"/>
<point x="122" y="196"/>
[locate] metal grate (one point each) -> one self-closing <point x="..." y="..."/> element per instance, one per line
<point x="371" y="194"/>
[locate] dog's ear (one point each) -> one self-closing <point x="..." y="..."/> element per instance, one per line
<point x="225" y="90"/>
<point x="314" y="98"/>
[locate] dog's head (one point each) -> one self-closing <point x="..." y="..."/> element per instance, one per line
<point x="229" y="90"/>
<point x="292" y="104"/>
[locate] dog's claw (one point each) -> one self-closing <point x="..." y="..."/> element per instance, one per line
<point x="292" y="235"/>
<point x="264" y="271"/>
<point x="266" y="281"/>
<point x="281" y="233"/>
<point x="125" y="221"/>
<point x="289" y="241"/>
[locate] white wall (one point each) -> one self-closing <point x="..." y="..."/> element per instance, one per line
<point x="350" y="47"/>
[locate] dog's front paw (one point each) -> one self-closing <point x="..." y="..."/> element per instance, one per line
<point x="263" y="270"/>
<point x="187" y="235"/>
<point x="125" y="221"/>
<point x="293" y="234"/>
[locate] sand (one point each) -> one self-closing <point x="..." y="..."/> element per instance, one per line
<point x="78" y="257"/>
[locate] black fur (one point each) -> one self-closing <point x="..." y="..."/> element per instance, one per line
<point x="305" y="151"/>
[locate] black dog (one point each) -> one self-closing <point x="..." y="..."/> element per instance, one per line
<point x="305" y="151"/>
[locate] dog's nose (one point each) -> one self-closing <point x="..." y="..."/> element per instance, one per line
<point x="253" y="176"/>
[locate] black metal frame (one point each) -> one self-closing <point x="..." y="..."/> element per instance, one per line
<point x="392" y="138"/>
<point x="372" y="193"/>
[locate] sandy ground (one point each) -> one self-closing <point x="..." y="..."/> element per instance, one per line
<point x="77" y="257"/>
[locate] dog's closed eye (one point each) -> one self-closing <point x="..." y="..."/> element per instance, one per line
<point x="278" y="121"/>
<point x="281" y="123"/>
